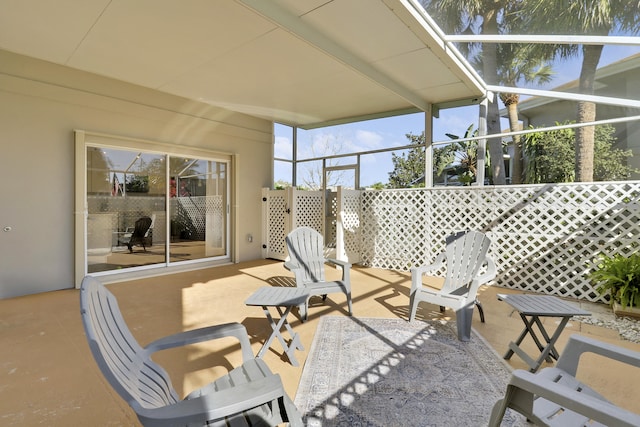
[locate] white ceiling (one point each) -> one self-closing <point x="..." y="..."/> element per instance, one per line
<point x="299" y="62"/>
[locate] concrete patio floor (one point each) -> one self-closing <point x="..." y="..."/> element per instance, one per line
<point x="49" y="377"/>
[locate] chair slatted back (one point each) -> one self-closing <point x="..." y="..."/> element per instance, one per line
<point x="306" y="248"/>
<point x="466" y="252"/>
<point x="141" y="229"/>
<point x="126" y="365"/>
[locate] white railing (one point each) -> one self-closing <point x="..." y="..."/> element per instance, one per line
<point x="545" y="237"/>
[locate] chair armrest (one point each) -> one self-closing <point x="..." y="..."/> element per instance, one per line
<point x="436" y="264"/>
<point x="205" y="334"/>
<point x="216" y="404"/>
<point x="485" y="277"/>
<point x="489" y="274"/>
<point x="341" y="263"/>
<point x="297" y="270"/>
<point x="579" y="344"/>
<point x="346" y="266"/>
<point x="291" y="266"/>
<point x="584" y="404"/>
<point x="417" y="272"/>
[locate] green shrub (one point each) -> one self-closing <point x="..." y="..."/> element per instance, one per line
<point x="620" y="277"/>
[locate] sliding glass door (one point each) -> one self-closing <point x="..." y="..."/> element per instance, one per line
<point x="149" y="208"/>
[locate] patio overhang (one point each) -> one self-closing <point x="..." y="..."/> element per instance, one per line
<point x="303" y="63"/>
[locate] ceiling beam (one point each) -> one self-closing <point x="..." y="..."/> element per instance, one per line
<point x="413" y="15"/>
<point x="569" y="96"/>
<point x="293" y="24"/>
<point x="372" y="116"/>
<point x="558" y="39"/>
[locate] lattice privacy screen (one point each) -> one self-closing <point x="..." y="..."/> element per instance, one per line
<point x="348" y="213"/>
<point x="284" y="210"/>
<point x="545" y="238"/>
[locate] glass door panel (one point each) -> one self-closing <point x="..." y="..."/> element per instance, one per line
<point x="198" y="207"/>
<point x="126" y="199"/>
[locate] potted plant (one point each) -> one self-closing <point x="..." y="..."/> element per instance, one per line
<point x="619" y="276"/>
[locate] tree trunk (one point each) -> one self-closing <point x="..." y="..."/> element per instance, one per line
<point x="514" y="125"/>
<point x="490" y="74"/>
<point x="586" y="113"/>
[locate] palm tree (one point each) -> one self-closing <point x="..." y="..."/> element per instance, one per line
<point x="478" y="16"/>
<point x="519" y="63"/>
<point x="593" y="17"/>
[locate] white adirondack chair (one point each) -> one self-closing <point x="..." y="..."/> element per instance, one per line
<point x="307" y="262"/>
<point x="464" y="256"/>
<point x="554" y="397"/>
<point x="248" y="395"/>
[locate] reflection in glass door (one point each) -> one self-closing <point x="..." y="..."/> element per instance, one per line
<point x="198" y="193"/>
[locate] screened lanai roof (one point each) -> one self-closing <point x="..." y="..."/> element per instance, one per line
<point x="306" y="63"/>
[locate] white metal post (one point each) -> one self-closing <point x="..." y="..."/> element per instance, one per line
<point x="428" y="146"/>
<point x="482" y="143"/>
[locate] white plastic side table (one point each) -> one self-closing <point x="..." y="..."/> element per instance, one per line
<point x="283" y="299"/>
<point x="531" y="308"/>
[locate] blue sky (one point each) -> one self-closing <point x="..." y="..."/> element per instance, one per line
<point x="390" y="132"/>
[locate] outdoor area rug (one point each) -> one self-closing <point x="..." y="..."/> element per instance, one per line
<point x="389" y="372"/>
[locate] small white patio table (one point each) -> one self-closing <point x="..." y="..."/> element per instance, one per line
<point x="278" y="297"/>
<point x="531" y="308"/>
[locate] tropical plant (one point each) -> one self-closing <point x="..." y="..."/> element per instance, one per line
<point x="619" y="277"/>
<point x="464" y="156"/>
<point x="550" y="156"/>
<point x="590" y="17"/>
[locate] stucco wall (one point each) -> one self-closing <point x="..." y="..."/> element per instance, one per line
<point x="40" y="106"/>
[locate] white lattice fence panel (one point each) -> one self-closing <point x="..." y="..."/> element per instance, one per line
<point x="392" y="226"/>
<point x="456" y="209"/>
<point x="215" y="218"/>
<point x="307" y="209"/>
<point x="198" y="216"/>
<point x="331" y="218"/>
<point x="551" y="242"/>
<point x="277" y="218"/>
<point x="192" y="212"/>
<point x="545" y="237"/>
<point x="510" y="240"/>
<point x="350" y="211"/>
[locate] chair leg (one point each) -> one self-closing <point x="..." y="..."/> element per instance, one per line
<point x="497" y="413"/>
<point x="349" y="304"/>
<point x="413" y="304"/>
<point x="464" y="316"/>
<point x="291" y="413"/>
<point x="479" y="305"/>
<point x="303" y="309"/>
